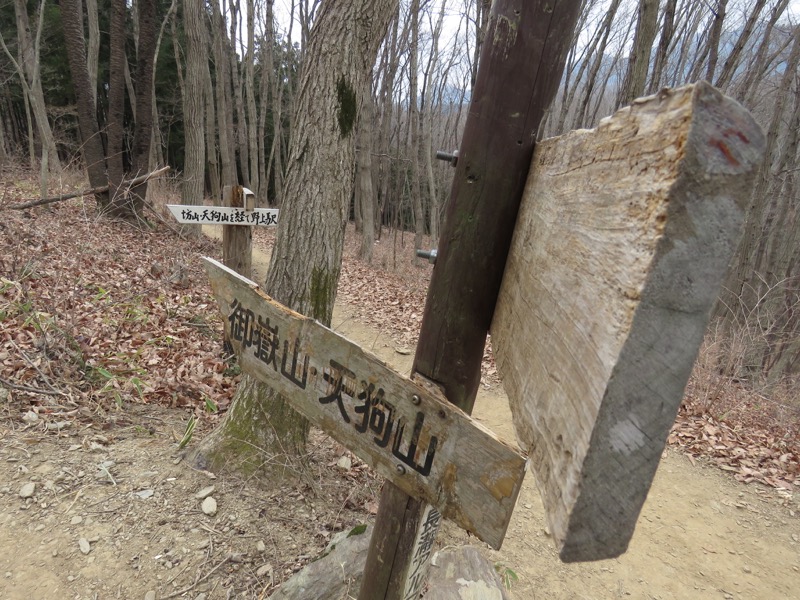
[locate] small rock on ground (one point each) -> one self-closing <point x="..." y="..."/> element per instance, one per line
<point x="205" y="492"/>
<point x="27" y="490"/>
<point x="209" y="506"/>
<point x="84" y="545"/>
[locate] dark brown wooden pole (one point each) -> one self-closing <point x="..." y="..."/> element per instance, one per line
<point x="237" y="240"/>
<point x="520" y="68"/>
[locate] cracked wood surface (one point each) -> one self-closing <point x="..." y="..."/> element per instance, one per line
<point x="621" y="244"/>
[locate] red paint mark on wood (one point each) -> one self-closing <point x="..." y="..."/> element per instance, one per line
<point x="723" y="147"/>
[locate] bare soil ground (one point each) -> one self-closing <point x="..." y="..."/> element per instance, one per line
<point x="110" y="343"/>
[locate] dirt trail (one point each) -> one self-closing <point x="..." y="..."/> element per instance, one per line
<point x="700" y="535"/>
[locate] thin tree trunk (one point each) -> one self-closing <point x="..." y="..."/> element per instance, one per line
<point x="365" y="200"/>
<point x="212" y="153"/>
<point x="249" y="82"/>
<point x="414" y="151"/>
<point x="147" y="40"/>
<point x="639" y="61"/>
<point x="597" y="62"/>
<point x="239" y="133"/>
<point x="194" y="126"/>
<point x="91" y="144"/>
<point x="667" y="30"/>
<point x="732" y="61"/>
<point x="752" y="74"/>
<point x="714" y="38"/>
<point x="223" y="96"/>
<point x="93" y="50"/>
<point x="116" y="107"/>
<point x="29" y="71"/>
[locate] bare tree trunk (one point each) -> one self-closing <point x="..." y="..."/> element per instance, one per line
<point x="116" y="107"/>
<point x="276" y="94"/>
<point x="639" y="61"/>
<point x="304" y="271"/>
<point x="239" y="133"/>
<point x="752" y="73"/>
<point x="413" y="115"/>
<point x="714" y="38"/>
<point x="597" y="62"/>
<point x="252" y="117"/>
<point x="92" y="145"/>
<point x="223" y="96"/>
<point x="667" y="30"/>
<point x="426" y="147"/>
<point x="212" y="154"/>
<point x="194" y="126"/>
<point x="365" y="200"/>
<point x="732" y="61"/>
<point x="29" y="57"/>
<point x="143" y="100"/>
<point x="93" y="50"/>
<point x="156" y="144"/>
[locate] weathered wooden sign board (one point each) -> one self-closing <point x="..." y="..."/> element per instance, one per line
<point x="426" y="446"/>
<point x="223" y="215"/>
<point x="620" y="247"/>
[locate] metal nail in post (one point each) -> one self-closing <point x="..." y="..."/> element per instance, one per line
<point x="429" y="254"/>
<point x="451" y="157"/>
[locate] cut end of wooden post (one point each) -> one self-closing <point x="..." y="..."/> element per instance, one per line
<point x="622" y="242"/>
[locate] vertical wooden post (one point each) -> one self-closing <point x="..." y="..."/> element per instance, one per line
<point x="519" y="72"/>
<point x="237" y="240"/>
<point x="237" y="244"/>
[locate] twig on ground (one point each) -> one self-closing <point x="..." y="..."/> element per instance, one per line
<point x="27" y="388"/>
<point x="201" y="580"/>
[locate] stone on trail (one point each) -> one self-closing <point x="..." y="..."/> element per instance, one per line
<point x="338" y="570"/>
<point x="209" y="506"/>
<point x="27" y="490"/>
<point x="205" y="492"/>
<point x="84" y="545"/>
<point x="151" y="595"/>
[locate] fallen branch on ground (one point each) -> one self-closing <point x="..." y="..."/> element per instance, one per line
<point x="97" y="190"/>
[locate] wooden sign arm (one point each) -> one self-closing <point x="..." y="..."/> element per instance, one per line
<point x="520" y="68"/>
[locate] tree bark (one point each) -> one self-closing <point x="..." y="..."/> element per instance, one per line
<point x="639" y="61"/>
<point x="365" y="201"/>
<point x="222" y="89"/>
<point x="143" y="131"/>
<point x="306" y="260"/>
<point x="93" y="50"/>
<point x="92" y="145"/>
<point x="193" y="117"/>
<point x="116" y="108"/>
<point x="413" y="115"/>
<point x="29" y="70"/>
<point x="667" y="32"/>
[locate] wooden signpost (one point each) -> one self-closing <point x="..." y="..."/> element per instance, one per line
<point x="621" y="243"/>
<point x="410" y="435"/>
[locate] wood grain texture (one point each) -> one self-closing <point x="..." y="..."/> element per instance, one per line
<point x="426" y="446"/>
<point x="237" y="240"/>
<point x="623" y="238"/>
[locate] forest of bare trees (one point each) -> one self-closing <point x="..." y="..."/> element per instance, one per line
<point x="212" y="88"/>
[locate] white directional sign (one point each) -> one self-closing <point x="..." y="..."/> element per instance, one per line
<point x="223" y="215"/>
<point x="426" y="446"/>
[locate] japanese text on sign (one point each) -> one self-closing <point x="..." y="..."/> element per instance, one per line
<point x="356" y="401"/>
<point x="224" y="215"/>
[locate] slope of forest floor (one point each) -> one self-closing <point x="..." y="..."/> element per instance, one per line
<point x="110" y="344"/>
